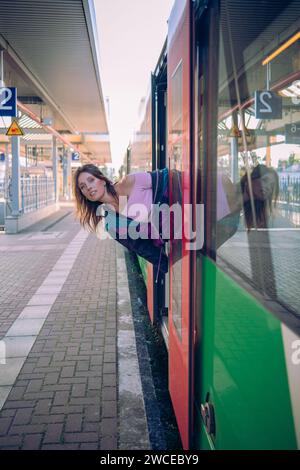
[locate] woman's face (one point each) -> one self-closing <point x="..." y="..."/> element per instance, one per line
<point x="91" y="187"/>
<point x="263" y="187"/>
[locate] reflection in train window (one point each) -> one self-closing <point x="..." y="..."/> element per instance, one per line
<point x="176" y="196"/>
<point x="258" y="165"/>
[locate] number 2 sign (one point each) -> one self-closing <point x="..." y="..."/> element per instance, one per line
<point x="268" y="105"/>
<point x="8" y="102"/>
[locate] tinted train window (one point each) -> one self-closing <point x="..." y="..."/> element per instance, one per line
<point x="258" y="150"/>
<point x="176" y="192"/>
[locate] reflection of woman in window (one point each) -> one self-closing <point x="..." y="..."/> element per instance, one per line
<point x="228" y="209"/>
<point x="265" y="189"/>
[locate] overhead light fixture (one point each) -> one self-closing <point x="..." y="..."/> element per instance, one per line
<point x="295" y="87"/>
<point x="291" y="91"/>
<point x="282" y="48"/>
<point x="287" y="93"/>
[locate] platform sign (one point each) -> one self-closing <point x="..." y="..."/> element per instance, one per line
<point x="2" y="157"/>
<point x="8" y="102"/>
<point x="75" y="162"/>
<point x="268" y="105"/>
<point x="292" y="133"/>
<point x="75" y="157"/>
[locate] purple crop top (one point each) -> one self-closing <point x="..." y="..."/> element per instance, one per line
<point x="141" y="193"/>
<point x="139" y="204"/>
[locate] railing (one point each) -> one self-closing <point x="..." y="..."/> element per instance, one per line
<point x="2" y="189"/>
<point x="289" y="192"/>
<point x="36" y="192"/>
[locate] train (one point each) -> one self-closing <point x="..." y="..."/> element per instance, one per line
<point x="224" y="101"/>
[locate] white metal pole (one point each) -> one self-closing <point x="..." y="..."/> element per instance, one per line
<point x="15" y="147"/>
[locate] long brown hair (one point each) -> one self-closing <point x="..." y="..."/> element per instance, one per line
<point x="263" y="208"/>
<point x="88" y="211"/>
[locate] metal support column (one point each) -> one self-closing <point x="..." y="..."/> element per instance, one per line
<point x="55" y="168"/>
<point x="16" y="180"/>
<point x="69" y="174"/>
<point x="65" y="172"/>
<point x="128" y="160"/>
<point x="2" y="84"/>
<point x="234" y="163"/>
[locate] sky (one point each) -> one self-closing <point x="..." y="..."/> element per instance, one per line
<point x="131" y="35"/>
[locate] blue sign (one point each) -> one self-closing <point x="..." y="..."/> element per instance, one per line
<point x="2" y="157"/>
<point x="8" y="102"/>
<point x="75" y="156"/>
<point x="268" y="105"/>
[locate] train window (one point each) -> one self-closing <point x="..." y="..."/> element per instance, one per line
<point x="176" y="174"/>
<point x="258" y="153"/>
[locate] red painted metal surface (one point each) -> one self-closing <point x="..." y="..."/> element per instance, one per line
<point x="179" y="122"/>
<point x="150" y="291"/>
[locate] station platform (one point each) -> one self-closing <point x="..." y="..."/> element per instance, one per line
<point x="69" y="368"/>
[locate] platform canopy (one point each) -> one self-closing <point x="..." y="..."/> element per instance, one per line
<point x="51" y="56"/>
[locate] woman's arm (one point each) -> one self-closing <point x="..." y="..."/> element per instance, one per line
<point x="141" y="180"/>
<point x="126" y="184"/>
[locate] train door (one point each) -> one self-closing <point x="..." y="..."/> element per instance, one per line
<point x="159" y="281"/>
<point x="179" y="149"/>
<point x="246" y="390"/>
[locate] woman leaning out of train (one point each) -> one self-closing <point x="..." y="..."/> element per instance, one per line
<point x="100" y="200"/>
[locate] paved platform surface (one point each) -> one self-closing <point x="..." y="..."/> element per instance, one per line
<point x="69" y="375"/>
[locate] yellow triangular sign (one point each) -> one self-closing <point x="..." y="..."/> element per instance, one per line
<point x="14" y="129"/>
<point x="234" y="131"/>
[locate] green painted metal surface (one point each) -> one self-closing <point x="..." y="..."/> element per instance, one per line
<point x="143" y="266"/>
<point x="240" y="362"/>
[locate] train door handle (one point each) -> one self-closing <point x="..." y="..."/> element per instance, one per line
<point x="208" y="416"/>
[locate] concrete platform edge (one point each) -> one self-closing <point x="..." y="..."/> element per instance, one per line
<point x="16" y="224"/>
<point x="133" y="428"/>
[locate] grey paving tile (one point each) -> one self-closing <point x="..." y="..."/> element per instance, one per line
<point x="48" y="289"/>
<point x="10" y="371"/>
<point x="35" y="311"/>
<point x="42" y="299"/>
<point x="63" y="269"/>
<point x="64" y="263"/>
<point x="26" y="327"/>
<point x="53" y="282"/>
<point x="4" y="392"/>
<point x="58" y="275"/>
<point x="18" y="346"/>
